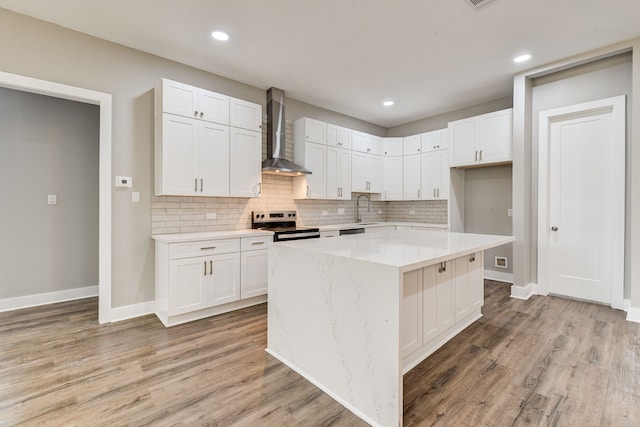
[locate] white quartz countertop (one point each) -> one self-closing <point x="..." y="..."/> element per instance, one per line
<point x="367" y="224"/>
<point x="407" y="250"/>
<point x="194" y="237"/>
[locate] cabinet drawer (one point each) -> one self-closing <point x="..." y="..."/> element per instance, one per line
<point x="205" y="247"/>
<point x="255" y="243"/>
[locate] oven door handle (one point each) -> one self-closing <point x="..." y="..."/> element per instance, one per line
<point x="295" y="236"/>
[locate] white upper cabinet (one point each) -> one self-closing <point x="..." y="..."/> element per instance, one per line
<point x="435" y="140"/>
<point x="310" y="130"/>
<point x="338" y="173"/>
<point x="393" y="176"/>
<point x="392" y="146"/>
<point x="245" y="163"/>
<point x="366" y="173"/>
<point x="435" y="175"/>
<point x="411" y="173"/>
<point x="245" y="115"/>
<point x="313" y="157"/>
<point x="338" y="136"/>
<point x="197" y="153"/>
<point x="411" y="145"/>
<point x="481" y="140"/>
<point x="365" y="143"/>
<point x="190" y="101"/>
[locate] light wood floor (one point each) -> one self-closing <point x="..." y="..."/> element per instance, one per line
<point x="547" y="362"/>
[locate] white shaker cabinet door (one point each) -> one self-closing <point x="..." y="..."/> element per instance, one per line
<point x="253" y="273"/>
<point x="430" y="175"/>
<point x="245" y="114"/>
<point x="187" y="285"/>
<point x="495" y="137"/>
<point x="393" y="175"/>
<point x="462" y="147"/>
<point x="375" y="171"/>
<point x="213" y="107"/>
<point x="475" y="277"/>
<point x="179" y="98"/>
<point x="179" y="156"/>
<point x="359" y="172"/>
<point x="213" y="160"/>
<point x="338" y="173"/>
<point x="223" y="280"/>
<point x="245" y="163"/>
<point x="411" y="180"/>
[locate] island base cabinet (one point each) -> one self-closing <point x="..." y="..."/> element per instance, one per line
<point x="438" y="302"/>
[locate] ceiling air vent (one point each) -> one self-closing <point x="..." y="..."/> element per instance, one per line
<point x="477" y="4"/>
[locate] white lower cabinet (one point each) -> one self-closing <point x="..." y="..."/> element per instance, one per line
<point x="438" y="301"/>
<point x="203" y="278"/>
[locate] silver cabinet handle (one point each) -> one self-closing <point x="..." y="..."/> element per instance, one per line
<point x="211" y="267"/>
<point x="205" y="268"/>
<point x="196" y="182"/>
<point x="368" y="150"/>
<point x="201" y="114"/>
<point x="434" y="193"/>
<point x="472" y="257"/>
<point x="554" y="228"/>
<point x="195" y="114"/>
<point x="438" y="193"/>
<point x="418" y="150"/>
<point x="259" y="188"/>
<point x="480" y="155"/>
<point x="476" y="155"/>
<point x="443" y="267"/>
<point x="257" y="243"/>
<point x="207" y="248"/>
<point x="201" y="185"/>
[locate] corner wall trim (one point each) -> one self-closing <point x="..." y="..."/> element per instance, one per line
<point x="26" y="301"/>
<point x="522" y="292"/>
<point x="133" y="310"/>
<point x="633" y="315"/>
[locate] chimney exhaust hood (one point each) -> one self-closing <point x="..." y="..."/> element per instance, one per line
<point x="275" y="163"/>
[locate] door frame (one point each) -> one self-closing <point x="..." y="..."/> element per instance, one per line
<point x="103" y="100"/>
<point x="617" y="106"/>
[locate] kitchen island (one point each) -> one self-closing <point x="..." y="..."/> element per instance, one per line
<point x="353" y="314"/>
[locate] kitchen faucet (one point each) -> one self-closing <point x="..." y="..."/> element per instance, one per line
<point x="358" y="218"/>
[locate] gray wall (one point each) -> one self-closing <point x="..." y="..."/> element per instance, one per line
<point x="45" y="51"/>
<point x="487" y="196"/>
<point x="47" y="146"/>
<point x="441" y="121"/>
<point x="597" y="80"/>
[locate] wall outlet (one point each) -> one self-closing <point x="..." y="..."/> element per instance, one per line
<point x="135" y="197"/>
<point x="509" y="212"/>
<point x="211" y="215"/>
<point x="325" y="213"/>
<point x="501" y="262"/>
<point x="52" y="199"/>
<point x="412" y="212"/>
<point x="340" y="211"/>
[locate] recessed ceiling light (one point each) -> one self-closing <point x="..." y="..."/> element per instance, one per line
<point x="522" y="58"/>
<point x="220" y="35"/>
<point x="387" y="103"/>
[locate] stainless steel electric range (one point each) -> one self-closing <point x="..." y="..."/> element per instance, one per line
<point x="283" y="224"/>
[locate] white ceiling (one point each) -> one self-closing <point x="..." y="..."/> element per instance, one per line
<point x="429" y="56"/>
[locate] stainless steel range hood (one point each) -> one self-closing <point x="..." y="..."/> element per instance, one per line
<point x="275" y="163"/>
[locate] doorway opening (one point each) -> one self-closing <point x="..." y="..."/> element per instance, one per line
<point x="103" y="101"/>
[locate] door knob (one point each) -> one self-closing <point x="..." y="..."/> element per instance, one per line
<point x="554" y="228"/>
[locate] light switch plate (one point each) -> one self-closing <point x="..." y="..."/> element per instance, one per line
<point x="135" y="197"/>
<point x="509" y="212"/>
<point x="52" y="199"/>
<point x="211" y="215"/>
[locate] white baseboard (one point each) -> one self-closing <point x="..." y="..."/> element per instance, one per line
<point x="522" y="292"/>
<point x="633" y="315"/>
<point x="130" y="311"/>
<point x="16" y="303"/>
<point x="498" y="276"/>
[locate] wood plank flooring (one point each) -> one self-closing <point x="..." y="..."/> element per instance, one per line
<point x="543" y="362"/>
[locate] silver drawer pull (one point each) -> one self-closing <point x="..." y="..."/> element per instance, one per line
<point x="257" y="243"/>
<point x="207" y="248"/>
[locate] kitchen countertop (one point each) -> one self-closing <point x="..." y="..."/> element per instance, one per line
<point x="194" y="237"/>
<point x="404" y="249"/>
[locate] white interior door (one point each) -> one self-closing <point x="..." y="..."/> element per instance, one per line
<point x="585" y="209"/>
